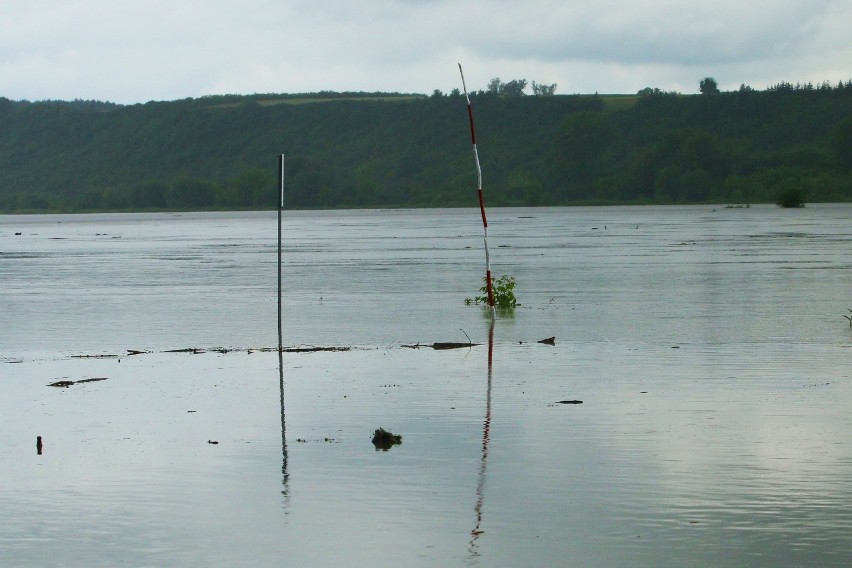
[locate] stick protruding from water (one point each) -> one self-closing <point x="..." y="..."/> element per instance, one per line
<point x="280" y="209"/>
<point x="480" y="194"/>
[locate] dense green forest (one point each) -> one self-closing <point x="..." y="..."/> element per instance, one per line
<point x="394" y="150"/>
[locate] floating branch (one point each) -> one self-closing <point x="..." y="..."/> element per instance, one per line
<point x="452" y="345"/>
<point x="439" y="345"/>
<point x="313" y="349"/>
<point x="66" y="384"/>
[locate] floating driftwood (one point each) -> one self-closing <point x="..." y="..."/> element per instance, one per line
<point x="310" y="349"/>
<point x="222" y="350"/>
<point x="569" y="402"/>
<point x="438" y="345"/>
<point x="199" y="350"/>
<point x="452" y="345"/>
<point x="313" y="349"/>
<point x="66" y="384"/>
<point x="384" y="440"/>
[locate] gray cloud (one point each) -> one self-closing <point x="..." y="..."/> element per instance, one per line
<point x="133" y="52"/>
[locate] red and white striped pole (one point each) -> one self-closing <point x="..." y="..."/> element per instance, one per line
<point x="479" y="194"/>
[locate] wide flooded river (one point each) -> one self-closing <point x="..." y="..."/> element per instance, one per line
<point x="707" y="345"/>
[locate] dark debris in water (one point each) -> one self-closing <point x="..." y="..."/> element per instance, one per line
<point x="66" y="383"/>
<point x="313" y="349"/>
<point x="220" y="350"/>
<point x="451" y="345"/>
<point x="384" y="440"/>
<point x="438" y="345"/>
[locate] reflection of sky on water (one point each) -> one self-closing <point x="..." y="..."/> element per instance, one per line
<point x="702" y="459"/>
<point x="709" y="352"/>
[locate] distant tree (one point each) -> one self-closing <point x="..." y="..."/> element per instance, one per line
<point x="654" y="92"/>
<point x="841" y="144"/>
<point x="708" y="86"/>
<point x="192" y="192"/>
<point x="30" y="202"/>
<point x="543" y="90"/>
<point x="149" y="194"/>
<point x="791" y="198"/>
<point x="580" y="149"/>
<point x="514" y="88"/>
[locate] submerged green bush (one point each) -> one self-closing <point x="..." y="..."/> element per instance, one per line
<point x="503" y="289"/>
<point x="791" y="198"/>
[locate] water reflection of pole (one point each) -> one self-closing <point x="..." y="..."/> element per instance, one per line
<point x="486" y="437"/>
<point x="284" y="473"/>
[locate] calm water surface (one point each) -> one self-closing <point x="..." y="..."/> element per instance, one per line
<point x="707" y="346"/>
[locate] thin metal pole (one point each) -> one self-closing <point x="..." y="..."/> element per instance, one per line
<point x="479" y="193"/>
<point x="280" y="209"/>
<point x="284" y="472"/>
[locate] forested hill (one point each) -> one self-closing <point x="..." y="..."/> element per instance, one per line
<point x="391" y="150"/>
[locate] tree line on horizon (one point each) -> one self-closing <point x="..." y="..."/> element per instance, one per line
<point x="347" y="150"/>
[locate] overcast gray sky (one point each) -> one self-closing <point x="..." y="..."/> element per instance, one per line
<point x="130" y="51"/>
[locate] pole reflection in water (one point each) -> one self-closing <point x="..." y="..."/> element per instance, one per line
<point x="285" y="475"/>
<point x="285" y="479"/>
<point x="486" y="436"/>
